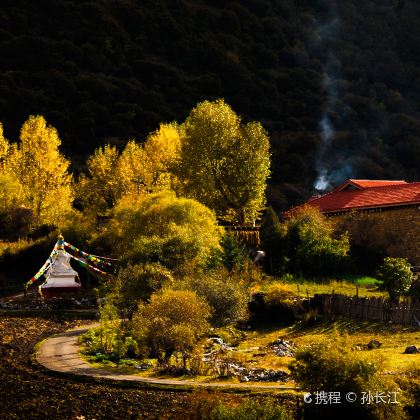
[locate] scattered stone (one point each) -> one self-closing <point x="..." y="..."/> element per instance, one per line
<point x="143" y="366"/>
<point x="283" y="348"/>
<point x="217" y="341"/>
<point x="412" y="350"/>
<point x="374" y="344"/>
<point x="263" y="375"/>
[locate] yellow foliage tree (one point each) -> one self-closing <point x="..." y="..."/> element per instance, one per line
<point x="137" y="169"/>
<point x="171" y="322"/>
<point x="131" y="168"/>
<point x="42" y="171"/>
<point x="161" y="151"/>
<point x="224" y="164"/>
<point x="161" y="228"/>
<point x="14" y="217"/>
<point x="4" y="146"/>
<point x="11" y="192"/>
<point x="102" y="188"/>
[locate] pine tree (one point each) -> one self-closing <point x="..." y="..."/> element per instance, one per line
<point x="272" y="234"/>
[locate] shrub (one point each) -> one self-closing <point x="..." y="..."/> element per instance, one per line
<point x="250" y="409"/>
<point x="162" y="228"/>
<point x="224" y="292"/>
<point x="79" y="228"/>
<point x="396" y="276"/>
<point x="312" y="246"/>
<point x="109" y="341"/>
<point x="172" y="252"/>
<point x="16" y="223"/>
<point x="280" y="294"/>
<point x="334" y="366"/>
<point x="171" y="323"/>
<point x="278" y="303"/>
<point x="136" y="283"/>
<point x="204" y="405"/>
<point x="414" y="290"/>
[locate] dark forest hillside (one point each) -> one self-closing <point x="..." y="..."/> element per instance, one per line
<point x="337" y="87"/>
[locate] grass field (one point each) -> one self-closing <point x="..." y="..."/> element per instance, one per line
<point x="394" y="340"/>
<point x="252" y="348"/>
<point x="363" y="286"/>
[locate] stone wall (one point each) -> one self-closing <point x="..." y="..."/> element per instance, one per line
<point x="396" y="230"/>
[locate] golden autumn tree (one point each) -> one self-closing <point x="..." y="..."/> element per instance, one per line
<point x="137" y="169"/>
<point x="161" y="151"/>
<point x="131" y="168"/>
<point x="4" y="146"/>
<point x="147" y="167"/>
<point x="42" y="171"/>
<point x="11" y="191"/>
<point x="102" y="188"/>
<point x="224" y="164"/>
<point x="111" y="175"/>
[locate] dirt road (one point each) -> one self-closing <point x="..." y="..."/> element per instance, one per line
<point x="61" y="353"/>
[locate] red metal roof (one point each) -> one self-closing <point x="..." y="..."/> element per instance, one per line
<point x="367" y="183"/>
<point x="388" y="194"/>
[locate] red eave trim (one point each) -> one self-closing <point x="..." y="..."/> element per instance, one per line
<point x="382" y="206"/>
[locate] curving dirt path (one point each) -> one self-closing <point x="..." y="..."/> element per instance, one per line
<point x="61" y="354"/>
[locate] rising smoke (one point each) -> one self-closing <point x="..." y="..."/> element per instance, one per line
<point x="326" y="175"/>
<point x="327" y="133"/>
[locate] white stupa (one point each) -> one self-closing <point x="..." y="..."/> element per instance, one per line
<point x="61" y="278"/>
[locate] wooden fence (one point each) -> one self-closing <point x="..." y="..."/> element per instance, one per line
<point x="250" y="235"/>
<point x="406" y="312"/>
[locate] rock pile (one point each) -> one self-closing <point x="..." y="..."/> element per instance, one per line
<point x="217" y="354"/>
<point x="263" y="375"/>
<point x="283" y="348"/>
<point x="214" y="341"/>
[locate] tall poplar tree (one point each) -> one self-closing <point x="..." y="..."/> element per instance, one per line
<point x="11" y="191"/>
<point x="42" y="171"/>
<point x="103" y="187"/>
<point x="147" y="167"/>
<point x="138" y="168"/>
<point x="162" y="150"/>
<point x="224" y="164"/>
<point x="4" y="146"/>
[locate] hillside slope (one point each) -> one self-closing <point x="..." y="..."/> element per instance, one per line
<point x="338" y="88"/>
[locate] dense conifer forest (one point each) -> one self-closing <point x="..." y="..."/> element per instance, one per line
<point x="336" y="87"/>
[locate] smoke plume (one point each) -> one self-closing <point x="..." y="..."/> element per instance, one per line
<point x="326" y="175"/>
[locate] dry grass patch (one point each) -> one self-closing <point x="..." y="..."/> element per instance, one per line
<point x="306" y="288"/>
